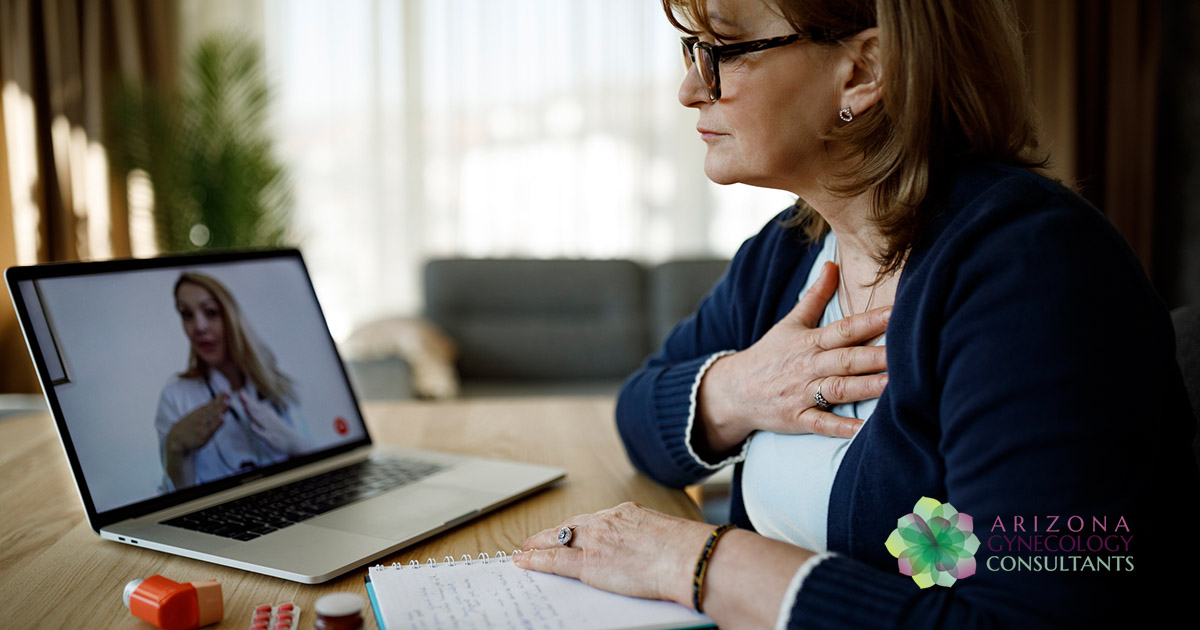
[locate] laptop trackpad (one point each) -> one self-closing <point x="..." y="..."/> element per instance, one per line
<point x="407" y="512"/>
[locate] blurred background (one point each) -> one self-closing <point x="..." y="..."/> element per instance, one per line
<point x="380" y="135"/>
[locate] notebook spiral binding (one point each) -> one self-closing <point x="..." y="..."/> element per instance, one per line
<point x="449" y="561"/>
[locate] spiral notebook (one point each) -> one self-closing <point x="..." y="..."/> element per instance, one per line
<point x="492" y="592"/>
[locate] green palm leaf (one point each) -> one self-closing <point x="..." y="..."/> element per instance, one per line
<point x="216" y="181"/>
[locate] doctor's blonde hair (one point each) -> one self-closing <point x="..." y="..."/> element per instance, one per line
<point x="256" y="362"/>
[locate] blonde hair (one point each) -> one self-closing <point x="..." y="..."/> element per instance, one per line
<point x="256" y="362"/>
<point x="955" y="87"/>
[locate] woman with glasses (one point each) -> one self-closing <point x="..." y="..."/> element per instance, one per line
<point x="942" y="378"/>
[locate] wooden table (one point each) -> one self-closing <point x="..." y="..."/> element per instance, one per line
<point x="56" y="573"/>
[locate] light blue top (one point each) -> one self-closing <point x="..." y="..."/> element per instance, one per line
<point x="787" y="479"/>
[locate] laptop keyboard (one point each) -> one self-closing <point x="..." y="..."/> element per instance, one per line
<point x="262" y="513"/>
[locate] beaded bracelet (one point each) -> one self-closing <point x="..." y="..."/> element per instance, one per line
<point x="702" y="564"/>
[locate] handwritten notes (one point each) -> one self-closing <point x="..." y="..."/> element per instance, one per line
<point x="497" y="594"/>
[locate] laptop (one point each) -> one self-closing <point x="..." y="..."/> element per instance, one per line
<point x="205" y="412"/>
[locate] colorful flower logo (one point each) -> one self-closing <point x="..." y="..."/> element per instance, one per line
<point x="934" y="544"/>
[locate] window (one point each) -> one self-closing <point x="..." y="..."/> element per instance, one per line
<point x="531" y="128"/>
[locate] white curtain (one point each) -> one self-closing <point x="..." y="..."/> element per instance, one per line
<point x="537" y="128"/>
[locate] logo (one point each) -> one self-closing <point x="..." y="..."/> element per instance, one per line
<point x="1060" y="542"/>
<point x="934" y="544"/>
<point x="339" y="425"/>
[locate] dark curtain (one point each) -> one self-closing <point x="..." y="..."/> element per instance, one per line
<point x="59" y="59"/>
<point x="1120" y="49"/>
<point x="1094" y="70"/>
<point x="1177" y="220"/>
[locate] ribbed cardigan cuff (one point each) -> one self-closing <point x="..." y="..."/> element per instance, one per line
<point x="675" y="406"/>
<point x="844" y="593"/>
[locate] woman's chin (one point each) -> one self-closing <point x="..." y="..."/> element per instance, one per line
<point x="211" y="359"/>
<point x="719" y="174"/>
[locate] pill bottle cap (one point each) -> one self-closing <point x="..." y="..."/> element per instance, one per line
<point x="339" y="605"/>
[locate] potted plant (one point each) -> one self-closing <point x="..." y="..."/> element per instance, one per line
<point x="216" y="181"/>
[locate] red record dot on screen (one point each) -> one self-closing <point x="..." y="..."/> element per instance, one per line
<point x="339" y="425"/>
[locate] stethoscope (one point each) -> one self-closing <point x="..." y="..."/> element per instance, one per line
<point x="251" y="438"/>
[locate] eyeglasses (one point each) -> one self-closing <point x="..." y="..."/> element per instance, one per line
<point x="711" y="55"/>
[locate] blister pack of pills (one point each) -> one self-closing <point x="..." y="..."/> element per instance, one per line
<point x="285" y="616"/>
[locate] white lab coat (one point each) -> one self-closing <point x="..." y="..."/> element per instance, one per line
<point x="234" y="447"/>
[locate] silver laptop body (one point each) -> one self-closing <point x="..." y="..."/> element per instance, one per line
<point x="127" y="354"/>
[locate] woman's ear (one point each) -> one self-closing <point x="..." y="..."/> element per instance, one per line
<point x="862" y="75"/>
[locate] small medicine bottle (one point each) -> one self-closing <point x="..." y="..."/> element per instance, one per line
<point x="171" y="605"/>
<point x="340" y="611"/>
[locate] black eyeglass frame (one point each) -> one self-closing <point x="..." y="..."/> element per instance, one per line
<point x="716" y="53"/>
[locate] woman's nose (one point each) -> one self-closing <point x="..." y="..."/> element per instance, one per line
<point x="692" y="92"/>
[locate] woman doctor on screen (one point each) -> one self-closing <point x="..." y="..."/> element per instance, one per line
<point x="231" y="410"/>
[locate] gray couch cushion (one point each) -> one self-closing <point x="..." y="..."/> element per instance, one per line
<point x="540" y="319"/>
<point x="675" y="289"/>
<point x="1187" y="351"/>
<point x="1187" y="348"/>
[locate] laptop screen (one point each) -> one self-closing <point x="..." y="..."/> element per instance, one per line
<point x="189" y="373"/>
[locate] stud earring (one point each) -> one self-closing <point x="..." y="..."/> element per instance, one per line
<point x="845" y="114"/>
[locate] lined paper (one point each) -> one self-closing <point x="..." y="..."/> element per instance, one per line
<point x="498" y="594"/>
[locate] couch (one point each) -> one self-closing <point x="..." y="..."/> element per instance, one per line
<point x="530" y="326"/>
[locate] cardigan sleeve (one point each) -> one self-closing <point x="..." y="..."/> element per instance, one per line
<point x="1046" y="377"/>
<point x="656" y="407"/>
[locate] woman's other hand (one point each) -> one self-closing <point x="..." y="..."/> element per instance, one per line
<point x="636" y="551"/>
<point x="627" y="549"/>
<point x="770" y="386"/>
<point x="269" y="427"/>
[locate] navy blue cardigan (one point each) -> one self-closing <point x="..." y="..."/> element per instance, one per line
<point x="1031" y="373"/>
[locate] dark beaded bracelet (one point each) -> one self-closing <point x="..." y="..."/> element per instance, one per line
<point x="702" y="564"/>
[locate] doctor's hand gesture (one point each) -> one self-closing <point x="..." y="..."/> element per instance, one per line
<point x="198" y="427"/>
<point x="191" y="432"/>
<point x="269" y="427"/>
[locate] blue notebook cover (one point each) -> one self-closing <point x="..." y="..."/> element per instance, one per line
<point x="374" y="602"/>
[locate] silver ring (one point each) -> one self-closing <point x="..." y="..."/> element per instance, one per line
<point x="818" y="399"/>
<point x="565" y="534"/>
